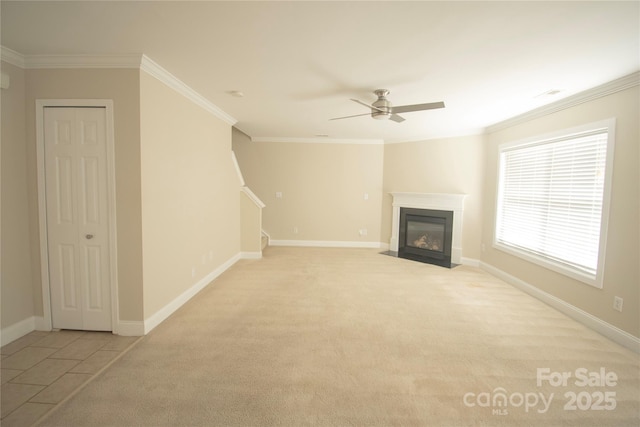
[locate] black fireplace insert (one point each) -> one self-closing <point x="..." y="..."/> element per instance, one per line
<point x="425" y="235"/>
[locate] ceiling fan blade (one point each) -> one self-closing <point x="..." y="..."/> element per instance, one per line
<point x="367" y="105"/>
<point x="348" y="117"/>
<point x="396" y="118"/>
<point x="418" y="107"/>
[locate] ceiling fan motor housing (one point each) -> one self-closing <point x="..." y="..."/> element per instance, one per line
<point x="382" y="103"/>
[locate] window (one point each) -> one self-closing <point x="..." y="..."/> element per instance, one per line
<point x="553" y="195"/>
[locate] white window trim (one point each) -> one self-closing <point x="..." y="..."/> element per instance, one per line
<point x="597" y="281"/>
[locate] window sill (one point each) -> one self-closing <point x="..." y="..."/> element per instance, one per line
<point x="589" y="279"/>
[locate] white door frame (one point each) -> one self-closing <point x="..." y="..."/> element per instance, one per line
<point x="107" y="104"/>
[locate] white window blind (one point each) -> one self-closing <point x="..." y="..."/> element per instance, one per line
<point x="550" y="200"/>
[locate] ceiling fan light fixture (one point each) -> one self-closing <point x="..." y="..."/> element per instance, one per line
<point x="380" y="115"/>
<point x="382" y="105"/>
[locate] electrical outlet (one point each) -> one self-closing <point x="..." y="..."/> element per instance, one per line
<point x="193" y="272"/>
<point x="366" y="196"/>
<point x="295" y="230"/>
<point x="362" y="232"/>
<point x="617" y="304"/>
<point x="278" y="195"/>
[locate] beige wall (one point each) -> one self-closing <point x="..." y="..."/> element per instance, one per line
<point x="322" y="186"/>
<point x="449" y="165"/>
<point x="190" y="198"/>
<point x="250" y="225"/>
<point x="17" y="281"/>
<point x="622" y="271"/>
<point x="122" y="86"/>
<point x="190" y="193"/>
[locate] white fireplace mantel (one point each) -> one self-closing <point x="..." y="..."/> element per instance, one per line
<point x="435" y="201"/>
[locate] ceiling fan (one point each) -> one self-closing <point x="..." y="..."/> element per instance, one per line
<point x="383" y="109"/>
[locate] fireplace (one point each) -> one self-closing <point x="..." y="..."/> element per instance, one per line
<point x="428" y="202"/>
<point x="425" y="235"/>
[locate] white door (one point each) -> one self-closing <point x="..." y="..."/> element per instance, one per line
<point x="77" y="217"/>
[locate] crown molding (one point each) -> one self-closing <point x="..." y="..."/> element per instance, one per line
<point x="70" y="61"/>
<point x="12" y="57"/>
<point x="603" y="90"/>
<point x="134" y="60"/>
<point x="152" y="68"/>
<point x="317" y="140"/>
<point x="83" y="61"/>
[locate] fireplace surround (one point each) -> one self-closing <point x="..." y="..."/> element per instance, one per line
<point x="452" y="203"/>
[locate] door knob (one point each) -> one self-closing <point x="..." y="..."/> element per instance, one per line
<point x="89" y="236"/>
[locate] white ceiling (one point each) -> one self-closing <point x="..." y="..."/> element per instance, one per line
<point x="298" y="62"/>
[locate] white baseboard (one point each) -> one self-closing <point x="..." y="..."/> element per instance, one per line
<point x="40" y="324"/>
<point x="130" y="328"/>
<point x="36" y="323"/>
<point x="325" y="244"/>
<point x="250" y="255"/>
<point x="17" y="330"/>
<point x="471" y="262"/>
<point x="154" y="320"/>
<point x="608" y="330"/>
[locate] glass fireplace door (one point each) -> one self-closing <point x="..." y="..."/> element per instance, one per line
<point x="425" y="235"/>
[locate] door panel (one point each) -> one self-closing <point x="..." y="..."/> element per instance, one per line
<point x="67" y="276"/>
<point x="64" y="188"/>
<point x="90" y="175"/>
<point x="77" y="218"/>
<point x="92" y="268"/>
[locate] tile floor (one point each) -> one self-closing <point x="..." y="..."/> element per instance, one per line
<point x="41" y="369"/>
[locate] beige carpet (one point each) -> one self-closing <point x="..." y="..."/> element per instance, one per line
<point x="351" y="337"/>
